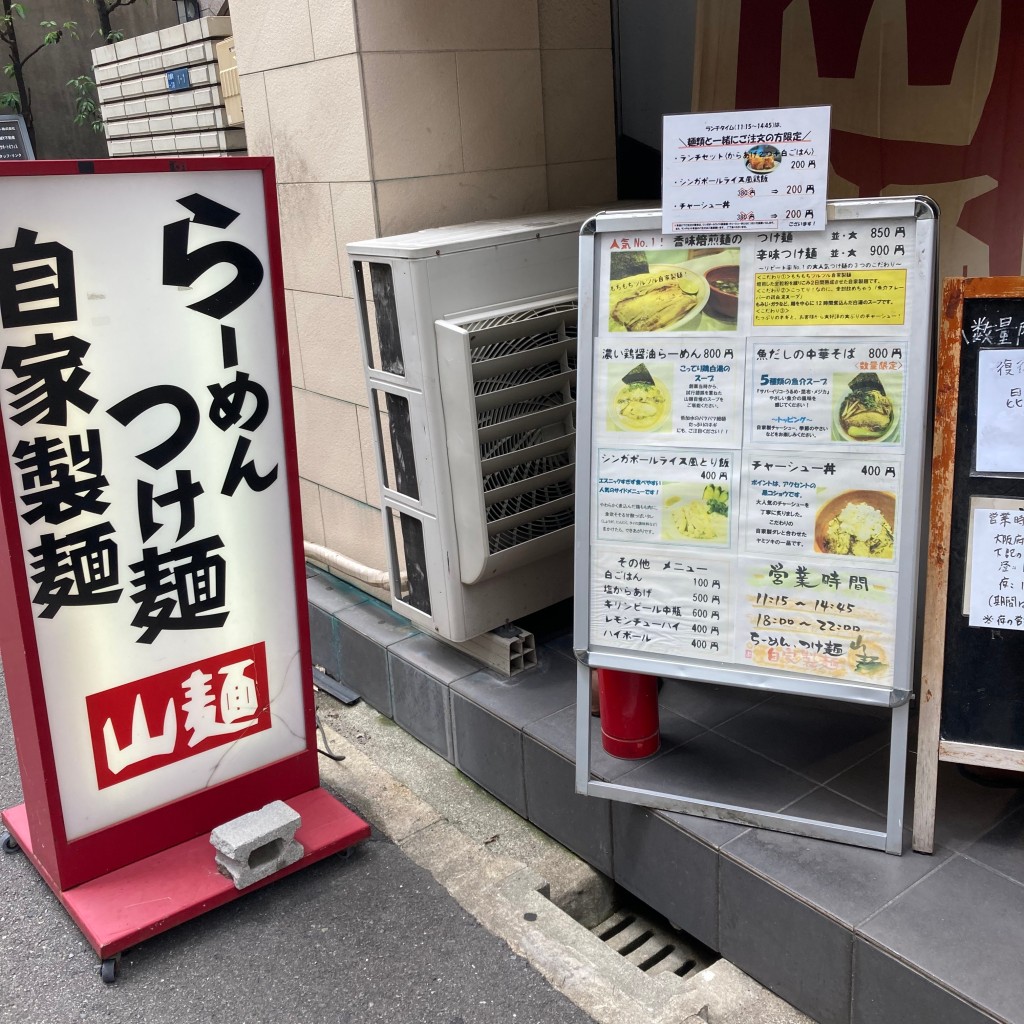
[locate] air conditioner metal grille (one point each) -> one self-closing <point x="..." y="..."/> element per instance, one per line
<point x="526" y="470"/>
<point x="522" y="367"/>
<point x="516" y="378"/>
<point x="549" y="476"/>
<point x="569" y="307"/>
<point x="532" y="530"/>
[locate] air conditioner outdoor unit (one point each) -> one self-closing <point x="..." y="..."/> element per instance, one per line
<point x="469" y="343"/>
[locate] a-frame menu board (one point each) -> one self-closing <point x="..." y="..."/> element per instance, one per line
<point x="752" y="463"/>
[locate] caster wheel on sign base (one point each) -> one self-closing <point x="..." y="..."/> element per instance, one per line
<point x="8" y="843"/>
<point x="108" y="970"/>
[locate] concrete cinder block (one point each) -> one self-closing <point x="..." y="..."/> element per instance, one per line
<point x="254" y="846"/>
<point x="240" y="836"/>
<point x="279" y="855"/>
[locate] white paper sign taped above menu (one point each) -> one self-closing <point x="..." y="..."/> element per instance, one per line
<point x="749" y="445"/>
<point x="746" y="170"/>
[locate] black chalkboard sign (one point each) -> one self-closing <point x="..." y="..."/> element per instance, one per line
<point x="972" y="678"/>
<point x="14" y="140"/>
<point x="983" y="675"/>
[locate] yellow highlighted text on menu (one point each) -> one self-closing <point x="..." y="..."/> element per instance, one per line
<point x="820" y="298"/>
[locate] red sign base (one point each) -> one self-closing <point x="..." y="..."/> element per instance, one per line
<point x="154" y="894"/>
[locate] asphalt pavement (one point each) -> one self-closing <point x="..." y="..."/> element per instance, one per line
<point x="368" y="938"/>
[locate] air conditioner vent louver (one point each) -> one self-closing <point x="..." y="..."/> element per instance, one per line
<point x="505" y="413"/>
<point x="513" y="379"/>
<point x="511" y="345"/>
<point x="526" y="470"/>
<point x="518" y="316"/>
<point x="528" y="500"/>
<point x="522" y="367"/>
<point x="530" y="531"/>
<point x="515" y="478"/>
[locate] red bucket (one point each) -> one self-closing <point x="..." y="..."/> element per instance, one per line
<point x="629" y="713"/>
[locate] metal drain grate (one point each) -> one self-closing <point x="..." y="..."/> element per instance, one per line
<point x="653" y="947"/>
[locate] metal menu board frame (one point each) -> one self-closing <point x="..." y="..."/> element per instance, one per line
<point x="725" y="457"/>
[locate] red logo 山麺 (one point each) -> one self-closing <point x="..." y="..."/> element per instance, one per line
<point x="165" y="718"/>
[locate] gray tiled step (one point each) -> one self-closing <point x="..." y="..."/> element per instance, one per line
<point x="963" y="924"/>
<point x="886" y="990"/>
<point x="848" y="935"/>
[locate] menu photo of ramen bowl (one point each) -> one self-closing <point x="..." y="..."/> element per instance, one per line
<point x="866" y="407"/>
<point x="724" y="283"/>
<point x="640" y="400"/>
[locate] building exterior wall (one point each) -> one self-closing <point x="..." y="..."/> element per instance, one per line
<point x="387" y="116"/>
<point x="47" y="73"/>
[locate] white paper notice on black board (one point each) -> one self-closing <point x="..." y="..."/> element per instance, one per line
<point x="997" y="573"/>
<point x="1000" y="412"/>
<point x="14" y="140"/>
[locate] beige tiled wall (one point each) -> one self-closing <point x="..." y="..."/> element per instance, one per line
<point x="577" y="95"/>
<point x="303" y="100"/>
<point x="501" y="109"/>
<point x="413" y="203"/>
<point x="489" y="108"/>
<point x="413" y="25"/>
<point x="386" y="116"/>
<point x="330" y="369"/>
<point x="309" y="246"/>
<point x="575" y="24"/>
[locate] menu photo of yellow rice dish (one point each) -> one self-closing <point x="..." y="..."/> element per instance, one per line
<point x="695" y="513"/>
<point x="859" y="524"/>
<point x="638" y="401"/>
<point x="666" y="298"/>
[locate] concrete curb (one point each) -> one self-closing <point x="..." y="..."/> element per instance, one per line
<point x="521" y="886"/>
